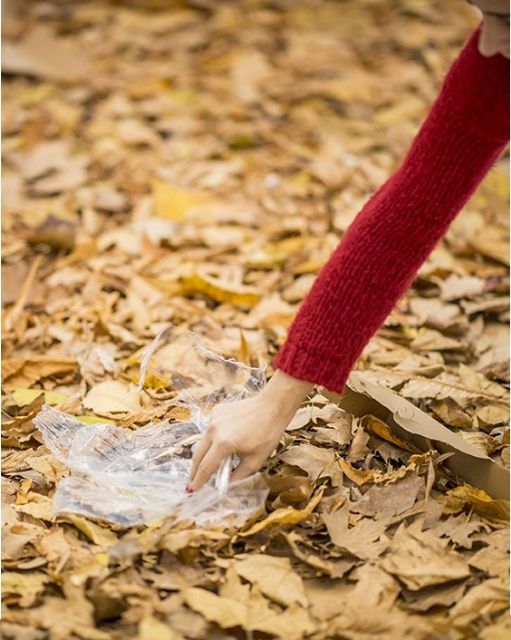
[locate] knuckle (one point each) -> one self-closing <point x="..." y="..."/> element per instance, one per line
<point x="213" y="429"/>
<point x="223" y="444"/>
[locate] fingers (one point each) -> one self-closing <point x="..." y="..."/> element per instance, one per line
<point x="208" y="465"/>
<point x="199" y="453"/>
<point x="246" y="467"/>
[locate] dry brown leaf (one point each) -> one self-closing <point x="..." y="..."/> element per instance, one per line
<point x="363" y="539"/>
<point x="318" y="462"/>
<point x="41" y="53"/>
<point x="274" y="576"/>
<point x="391" y="499"/>
<point x="419" y="559"/>
<point x="489" y="597"/>
<point x="493" y="561"/>
<point x="253" y="614"/>
<point x="23" y="372"/>
<point x="150" y="628"/>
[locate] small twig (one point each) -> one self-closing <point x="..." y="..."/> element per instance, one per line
<point x="24" y="293"/>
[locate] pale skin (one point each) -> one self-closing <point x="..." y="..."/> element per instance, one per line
<point x="252" y="428"/>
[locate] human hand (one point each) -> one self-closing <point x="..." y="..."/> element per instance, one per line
<point x="250" y="428"/>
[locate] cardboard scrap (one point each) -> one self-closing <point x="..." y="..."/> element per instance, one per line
<point x="362" y="397"/>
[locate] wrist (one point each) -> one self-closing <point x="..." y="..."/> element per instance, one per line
<point x="286" y="390"/>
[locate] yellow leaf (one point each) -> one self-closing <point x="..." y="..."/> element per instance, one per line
<point x="152" y="380"/>
<point x="410" y="108"/>
<point x="364" y="476"/>
<point x="147" y="87"/>
<point x="111" y="396"/>
<point x="244" y="351"/>
<point x="274" y="254"/>
<point x="99" y="535"/>
<point x="285" y="515"/>
<point x="37" y="506"/>
<point x="93" y="420"/>
<point x="309" y="266"/>
<point x="23" y="397"/>
<point x="177" y="204"/>
<point x="26" y="585"/>
<point x="482" y="503"/>
<point x="300" y="181"/>
<point x="35" y="94"/>
<point x="383" y="431"/>
<point x="216" y="289"/>
<point x="102" y="559"/>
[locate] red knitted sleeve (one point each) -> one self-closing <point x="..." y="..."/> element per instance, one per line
<point x="464" y="133"/>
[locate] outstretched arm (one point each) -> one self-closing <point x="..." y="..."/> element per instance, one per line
<point x="377" y="260"/>
<point x="466" y="130"/>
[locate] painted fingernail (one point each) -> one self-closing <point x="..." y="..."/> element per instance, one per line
<point x="189" y="489"/>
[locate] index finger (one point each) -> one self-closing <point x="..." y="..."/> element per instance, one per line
<point x="207" y="467"/>
<point x="199" y="453"/>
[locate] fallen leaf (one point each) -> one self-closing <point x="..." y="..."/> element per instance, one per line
<point x="150" y="628"/>
<point x="220" y="291"/>
<point x="316" y="461"/>
<point x="97" y="534"/>
<point x="25" y="586"/>
<point x="41" y="53"/>
<point x="24" y="372"/>
<point x="111" y="396"/>
<point x="285" y="515"/>
<point x="23" y="397"/>
<point x="178" y="204"/>
<point x="363" y="539"/>
<point x="490" y="597"/>
<point x="420" y="559"/>
<point x="479" y="500"/>
<point x="274" y="576"/>
<point x="391" y="499"/>
<point x="254" y="614"/>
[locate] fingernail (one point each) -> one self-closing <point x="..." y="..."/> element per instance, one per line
<point x="189" y="489"/>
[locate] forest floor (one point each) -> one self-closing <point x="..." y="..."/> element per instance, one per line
<point x="195" y="163"/>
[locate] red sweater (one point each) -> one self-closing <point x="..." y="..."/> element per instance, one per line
<point x="466" y="130"/>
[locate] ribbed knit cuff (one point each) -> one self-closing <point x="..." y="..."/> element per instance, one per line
<point x="312" y="366"/>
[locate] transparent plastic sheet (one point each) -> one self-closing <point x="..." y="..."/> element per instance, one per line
<point x="133" y="477"/>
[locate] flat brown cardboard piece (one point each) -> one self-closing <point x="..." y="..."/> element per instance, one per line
<point x="362" y="397"/>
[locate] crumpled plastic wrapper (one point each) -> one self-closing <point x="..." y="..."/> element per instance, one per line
<point x="133" y="477"/>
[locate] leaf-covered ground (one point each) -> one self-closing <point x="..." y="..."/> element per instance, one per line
<point x="196" y="163"/>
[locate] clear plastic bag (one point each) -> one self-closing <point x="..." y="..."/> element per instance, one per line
<point x="133" y="477"/>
